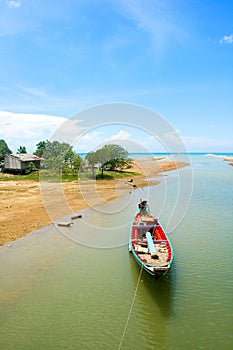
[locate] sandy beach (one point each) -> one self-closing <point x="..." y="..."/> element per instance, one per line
<point x="229" y="160"/>
<point x="22" y="207"/>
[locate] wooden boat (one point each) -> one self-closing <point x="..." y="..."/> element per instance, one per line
<point x="149" y="243"/>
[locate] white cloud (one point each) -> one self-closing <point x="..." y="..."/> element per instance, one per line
<point x="121" y="135"/>
<point x="226" y="39"/>
<point x="136" y="140"/>
<point x="20" y="129"/>
<point x="34" y="91"/>
<point x="155" y="17"/>
<point x="89" y="142"/>
<point x="14" y="3"/>
<point x="203" y="144"/>
<point x="94" y="140"/>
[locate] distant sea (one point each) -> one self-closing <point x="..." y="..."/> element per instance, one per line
<point x="161" y="154"/>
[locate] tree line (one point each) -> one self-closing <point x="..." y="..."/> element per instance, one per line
<point x="60" y="156"/>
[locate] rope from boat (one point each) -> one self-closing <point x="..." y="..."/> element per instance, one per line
<point x="131" y="308"/>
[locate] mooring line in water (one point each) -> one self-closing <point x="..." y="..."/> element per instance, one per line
<point x="131" y="308"/>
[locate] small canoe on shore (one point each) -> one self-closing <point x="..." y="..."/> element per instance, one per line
<point x="149" y="242"/>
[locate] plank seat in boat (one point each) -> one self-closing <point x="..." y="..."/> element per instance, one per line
<point x="140" y="249"/>
<point x="139" y="241"/>
<point x="143" y="226"/>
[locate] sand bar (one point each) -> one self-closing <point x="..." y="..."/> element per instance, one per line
<point x="22" y="208"/>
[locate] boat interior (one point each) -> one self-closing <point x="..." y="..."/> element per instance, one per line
<point x="149" y="241"/>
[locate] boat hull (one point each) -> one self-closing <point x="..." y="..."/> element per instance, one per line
<point x="149" y="243"/>
<point x="156" y="272"/>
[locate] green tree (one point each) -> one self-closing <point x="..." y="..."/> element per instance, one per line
<point x="54" y="155"/>
<point x="31" y="167"/>
<point x="4" y="149"/>
<point x="102" y="157"/>
<point x="40" y="148"/>
<point x="110" y="157"/>
<point x="116" y="151"/>
<point x="118" y="164"/>
<point x="72" y="161"/>
<point x="118" y="158"/>
<point x="60" y="156"/>
<point x="21" y="149"/>
<point x="92" y="160"/>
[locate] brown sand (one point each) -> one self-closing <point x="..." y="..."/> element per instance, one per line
<point x="229" y="160"/>
<point x="22" y="205"/>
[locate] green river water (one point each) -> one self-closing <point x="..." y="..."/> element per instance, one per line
<point x="67" y="290"/>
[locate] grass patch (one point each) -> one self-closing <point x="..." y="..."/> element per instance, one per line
<point x="107" y="175"/>
<point x="56" y="177"/>
<point x="34" y="176"/>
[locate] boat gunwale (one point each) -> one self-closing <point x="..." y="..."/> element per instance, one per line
<point x="152" y="270"/>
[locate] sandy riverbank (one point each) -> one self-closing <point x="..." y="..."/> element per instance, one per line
<point x="23" y="211"/>
<point x="229" y="160"/>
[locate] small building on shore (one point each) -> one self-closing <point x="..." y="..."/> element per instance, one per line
<point x="21" y="163"/>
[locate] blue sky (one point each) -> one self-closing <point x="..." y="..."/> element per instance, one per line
<point x="58" y="58"/>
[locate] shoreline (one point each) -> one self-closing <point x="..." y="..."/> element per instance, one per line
<point x="228" y="159"/>
<point x="23" y="210"/>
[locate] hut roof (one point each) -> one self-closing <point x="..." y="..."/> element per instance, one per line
<point x="25" y="157"/>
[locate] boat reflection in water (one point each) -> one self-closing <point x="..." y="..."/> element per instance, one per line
<point x="160" y="291"/>
<point x="152" y="307"/>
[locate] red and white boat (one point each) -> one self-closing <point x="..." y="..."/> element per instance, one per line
<point x="149" y="243"/>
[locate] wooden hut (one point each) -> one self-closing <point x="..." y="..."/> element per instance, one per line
<point x="21" y="162"/>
